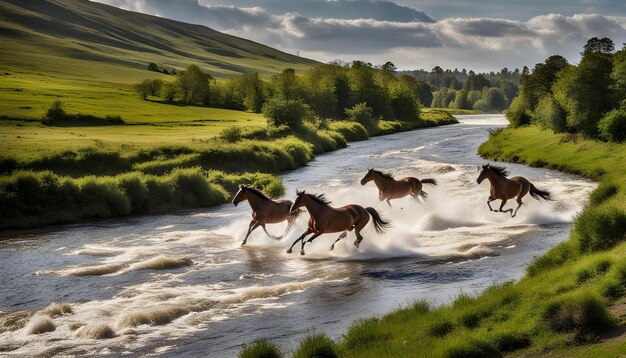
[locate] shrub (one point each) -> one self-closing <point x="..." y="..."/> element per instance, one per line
<point x="612" y="127"/>
<point x="169" y="91"/>
<point x="55" y="111"/>
<point x="473" y="348"/>
<point x="519" y="113"/>
<point x="363" y="333"/>
<point x="481" y="105"/>
<point x="582" y="313"/>
<point x="440" y="329"/>
<point x="600" y="228"/>
<point x="602" y="193"/>
<point x="316" y="346"/>
<point x="352" y="131"/>
<point x="288" y="112"/>
<point x="364" y="115"/>
<point x="231" y="134"/>
<point x="261" y="349"/>
<point x="511" y="341"/>
<point x="549" y="115"/>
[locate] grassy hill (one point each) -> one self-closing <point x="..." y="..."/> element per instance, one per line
<point x="89" y="54"/>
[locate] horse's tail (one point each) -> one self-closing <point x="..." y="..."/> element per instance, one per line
<point x="429" y="181"/>
<point x="380" y="224"/>
<point x="291" y="219"/>
<point x="539" y="194"/>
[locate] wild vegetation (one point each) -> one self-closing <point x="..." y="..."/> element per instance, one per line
<point x="572" y="296"/>
<point x="589" y="98"/>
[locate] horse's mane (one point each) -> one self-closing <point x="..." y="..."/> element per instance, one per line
<point x="256" y="192"/>
<point x="501" y="171"/>
<point x="384" y="175"/>
<point x="319" y="198"/>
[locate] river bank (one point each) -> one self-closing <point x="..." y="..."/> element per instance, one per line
<point x="64" y="185"/>
<point x="569" y="303"/>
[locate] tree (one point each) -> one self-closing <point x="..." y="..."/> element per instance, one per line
<point x="194" y="85"/>
<point x="389" y="67"/>
<point x="495" y="99"/>
<point x="253" y="91"/>
<point x="476" y="83"/>
<point x="144" y="89"/>
<point x="363" y="114"/>
<point x="595" y="45"/>
<point x="549" y="115"/>
<point x="287" y="112"/>
<point x="422" y="90"/>
<point x="169" y="90"/>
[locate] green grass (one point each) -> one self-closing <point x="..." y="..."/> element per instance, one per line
<point x="570" y="299"/>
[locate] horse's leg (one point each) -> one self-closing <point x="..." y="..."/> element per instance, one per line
<point x="253" y="225"/>
<point x="491" y="198"/>
<point x="342" y="236"/>
<point x="507" y="210"/>
<point x="388" y="202"/>
<point x="423" y="195"/>
<point x="308" y="231"/>
<point x="519" y="204"/>
<point x="268" y="234"/>
<point x="311" y="239"/>
<point x="358" y="226"/>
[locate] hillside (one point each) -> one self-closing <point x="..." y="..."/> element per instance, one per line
<point x="82" y="30"/>
<point x="88" y="55"/>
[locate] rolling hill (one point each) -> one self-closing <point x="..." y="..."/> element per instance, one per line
<point x="88" y="55"/>
<point x="31" y="31"/>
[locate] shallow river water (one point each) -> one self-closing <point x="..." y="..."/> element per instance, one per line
<point x="182" y="285"/>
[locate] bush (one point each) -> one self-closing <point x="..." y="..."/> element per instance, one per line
<point x="519" y="113"/>
<point x="261" y="349"/>
<point x="317" y="346"/>
<point x="231" y="134"/>
<point x="364" y="115"/>
<point x="473" y="348"/>
<point x="363" y="333"/>
<point x="440" y="329"/>
<point x="602" y="193"/>
<point x="549" y="115"/>
<point x="55" y="111"/>
<point x="288" y="112"/>
<point x="511" y="341"/>
<point x="169" y="91"/>
<point x="481" y="105"/>
<point x="600" y="228"/>
<point x="582" y="313"/>
<point x="612" y="126"/>
<point x="352" y="131"/>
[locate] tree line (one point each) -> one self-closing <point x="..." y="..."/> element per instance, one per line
<point x="338" y="90"/>
<point x="588" y="98"/>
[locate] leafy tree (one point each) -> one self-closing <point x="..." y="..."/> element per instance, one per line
<point x="363" y="114"/>
<point x="549" y="115"/>
<point x="144" y="89"/>
<point x="476" y="83"/>
<point x="287" y="85"/>
<point x="595" y="45"/>
<point x="519" y="113"/>
<point x="612" y="126"/>
<point x="404" y="104"/>
<point x="253" y="91"/>
<point x="194" y="85"/>
<point x="422" y="90"/>
<point x="287" y="112"/>
<point x="169" y="91"/>
<point x="481" y="105"/>
<point x="495" y="99"/>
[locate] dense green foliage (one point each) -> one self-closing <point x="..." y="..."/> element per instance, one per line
<point x="36" y="198"/>
<point x="261" y="349"/>
<point x="583" y="99"/>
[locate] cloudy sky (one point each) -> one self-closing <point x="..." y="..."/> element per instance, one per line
<point x="482" y="35"/>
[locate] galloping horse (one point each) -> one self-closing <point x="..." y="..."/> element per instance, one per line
<point x="265" y="210"/>
<point x="324" y="219"/>
<point x="389" y="188"/>
<point x="504" y="189"/>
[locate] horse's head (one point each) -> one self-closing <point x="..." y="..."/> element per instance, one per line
<point x="483" y="173"/>
<point x="299" y="202"/>
<point x="368" y="177"/>
<point x="241" y="195"/>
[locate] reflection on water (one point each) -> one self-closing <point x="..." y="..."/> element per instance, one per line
<point x="181" y="284"/>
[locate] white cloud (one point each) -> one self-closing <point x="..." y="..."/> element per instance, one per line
<point x="478" y="43"/>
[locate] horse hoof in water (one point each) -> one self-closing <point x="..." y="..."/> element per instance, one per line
<point x="301" y="252"/>
<point x="243" y="243"/>
<point x="356" y="243"/>
<point x="289" y="251"/>
<point x="332" y="248"/>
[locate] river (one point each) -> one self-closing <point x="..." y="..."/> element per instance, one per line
<point x="182" y="285"/>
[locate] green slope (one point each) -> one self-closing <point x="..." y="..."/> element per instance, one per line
<point x="33" y="33"/>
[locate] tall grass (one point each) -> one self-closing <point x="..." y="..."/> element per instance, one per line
<point x="39" y="198"/>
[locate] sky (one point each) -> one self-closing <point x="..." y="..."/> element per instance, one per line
<point x="482" y="35"/>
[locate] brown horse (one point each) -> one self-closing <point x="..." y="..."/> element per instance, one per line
<point x="265" y="210"/>
<point x="324" y="219"/>
<point x="503" y="188"/>
<point x="389" y="188"/>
